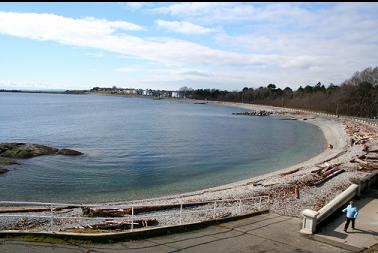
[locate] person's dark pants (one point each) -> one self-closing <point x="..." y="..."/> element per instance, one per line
<point x="348" y="221"/>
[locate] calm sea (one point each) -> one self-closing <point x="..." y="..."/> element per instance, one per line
<point x="140" y="148"/>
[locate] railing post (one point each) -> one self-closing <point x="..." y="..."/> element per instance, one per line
<point x="51" y="217"/>
<point x="180" y="213"/>
<point x="260" y="203"/>
<point x="309" y="221"/>
<point x="132" y="218"/>
<point x="78" y="216"/>
<point x="215" y="204"/>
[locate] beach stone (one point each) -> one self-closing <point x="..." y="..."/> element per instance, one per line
<point x="25" y="150"/>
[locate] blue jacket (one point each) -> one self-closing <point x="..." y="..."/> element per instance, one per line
<point x="351" y="212"/>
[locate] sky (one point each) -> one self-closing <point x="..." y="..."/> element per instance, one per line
<point x="224" y="46"/>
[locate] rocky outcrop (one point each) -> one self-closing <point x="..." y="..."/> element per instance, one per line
<point x="4" y="161"/>
<point x="66" y="151"/>
<point x="25" y="150"/>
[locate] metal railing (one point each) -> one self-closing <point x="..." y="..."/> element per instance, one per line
<point x="62" y="216"/>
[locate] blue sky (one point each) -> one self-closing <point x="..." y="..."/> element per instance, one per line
<point x="170" y="45"/>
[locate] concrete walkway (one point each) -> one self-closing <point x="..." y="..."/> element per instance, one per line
<point x="263" y="233"/>
<point x="366" y="232"/>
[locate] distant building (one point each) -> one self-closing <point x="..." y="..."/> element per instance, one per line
<point x="175" y="94"/>
<point x="140" y="92"/>
<point x="130" y="91"/>
<point x="147" y="93"/>
<point x="97" y="89"/>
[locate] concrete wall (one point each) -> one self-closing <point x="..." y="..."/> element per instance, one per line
<point x="312" y="218"/>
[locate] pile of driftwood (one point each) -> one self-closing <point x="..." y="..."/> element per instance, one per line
<point x="105" y="212"/>
<point x="122" y="225"/>
<point x="367" y="162"/>
<point x="325" y="173"/>
<point x="114" y="212"/>
<point x="254" y="113"/>
<point x="360" y="134"/>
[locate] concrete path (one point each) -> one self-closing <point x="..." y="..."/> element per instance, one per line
<point x="264" y="233"/>
<point x="366" y="232"/>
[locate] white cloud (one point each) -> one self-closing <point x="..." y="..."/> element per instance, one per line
<point x="189" y="9"/>
<point x="215" y="12"/>
<point x="136" y="5"/>
<point x="49" y="26"/>
<point x="183" y="27"/>
<point x="127" y="69"/>
<point x="289" y="43"/>
<point x="101" y="34"/>
<point x="96" y="54"/>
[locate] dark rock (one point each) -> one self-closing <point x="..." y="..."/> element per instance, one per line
<point x="7" y="161"/>
<point x="66" y="151"/>
<point x="2" y="170"/>
<point x="24" y="150"/>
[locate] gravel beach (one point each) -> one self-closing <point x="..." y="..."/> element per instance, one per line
<point x="290" y="189"/>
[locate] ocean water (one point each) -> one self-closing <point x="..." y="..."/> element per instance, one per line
<point x="141" y="148"/>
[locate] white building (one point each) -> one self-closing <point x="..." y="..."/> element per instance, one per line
<point x="147" y="92"/>
<point x="130" y="91"/>
<point x="175" y="94"/>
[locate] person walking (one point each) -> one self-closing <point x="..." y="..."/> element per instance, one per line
<point x="351" y="215"/>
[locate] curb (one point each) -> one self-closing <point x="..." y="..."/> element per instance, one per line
<point x="341" y="245"/>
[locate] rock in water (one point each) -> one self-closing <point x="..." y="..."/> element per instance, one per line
<point x="66" y="151"/>
<point x="25" y="150"/>
<point x="2" y="170"/>
<point x="8" y="161"/>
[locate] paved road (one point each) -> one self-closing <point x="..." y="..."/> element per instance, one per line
<point x="264" y="233"/>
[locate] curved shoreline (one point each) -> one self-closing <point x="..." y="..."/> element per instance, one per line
<point x="281" y="180"/>
<point x="278" y="185"/>
<point x="333" y="132"/>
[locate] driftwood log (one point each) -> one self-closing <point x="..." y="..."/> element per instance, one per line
<point x="113" y="212"/>
<point x="323" y="180"/>
<point x="368" y="167"/>
<point x="33" y="209"/>
<point x="123" y="225"/>
<point x="289" y="172"/>
<point x="96" y="212"/>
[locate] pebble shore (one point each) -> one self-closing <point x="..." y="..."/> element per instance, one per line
<point x="279" y="185"/>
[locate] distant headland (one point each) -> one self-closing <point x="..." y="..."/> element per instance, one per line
<point x="356" y="96"/>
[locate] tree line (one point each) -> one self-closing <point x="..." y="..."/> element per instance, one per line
<point x="357" y="96"/>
